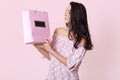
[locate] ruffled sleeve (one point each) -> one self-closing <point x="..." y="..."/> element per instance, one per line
<point x="75" y="59"/>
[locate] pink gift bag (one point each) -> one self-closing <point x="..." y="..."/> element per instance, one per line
<point x="35" y="26"/>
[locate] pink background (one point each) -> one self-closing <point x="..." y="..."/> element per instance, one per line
<point x="23" y="62"/>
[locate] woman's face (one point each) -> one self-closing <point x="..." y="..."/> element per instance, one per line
<point x="67" y="14"/>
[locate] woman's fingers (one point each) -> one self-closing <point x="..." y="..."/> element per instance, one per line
<point x="42" y="45"/>
<point x="47" y="41"/>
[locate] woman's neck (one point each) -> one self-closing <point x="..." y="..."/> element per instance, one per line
<point x="72" y="37"/>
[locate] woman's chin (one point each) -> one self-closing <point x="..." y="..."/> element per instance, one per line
<point x="66" y="21"/>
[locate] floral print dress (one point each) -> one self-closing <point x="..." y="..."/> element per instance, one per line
<point x="63" y="46"/>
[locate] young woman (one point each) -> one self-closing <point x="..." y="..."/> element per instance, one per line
<point x="69" y="44"/>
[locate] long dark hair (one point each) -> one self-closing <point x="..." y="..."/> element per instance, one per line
<point x="78" y="25"/>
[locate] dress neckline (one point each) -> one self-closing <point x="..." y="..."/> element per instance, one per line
<point x="67" y="39"/>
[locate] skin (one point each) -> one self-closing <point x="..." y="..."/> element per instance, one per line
<point x="45" y="49"/>
<point x="67" y="14"/>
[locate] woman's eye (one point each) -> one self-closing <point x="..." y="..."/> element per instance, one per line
<point x="69" y="12"/>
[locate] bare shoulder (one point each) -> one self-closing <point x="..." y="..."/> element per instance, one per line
<point x="60" y="31"/>
<point x="82" y="42"/>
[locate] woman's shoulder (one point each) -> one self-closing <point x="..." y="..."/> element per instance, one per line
<point x="60" y="31"/>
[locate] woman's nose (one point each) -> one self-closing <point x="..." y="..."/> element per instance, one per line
<point x="65" y="13"/>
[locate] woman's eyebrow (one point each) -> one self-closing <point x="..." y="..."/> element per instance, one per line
<point x="68" y="10"/>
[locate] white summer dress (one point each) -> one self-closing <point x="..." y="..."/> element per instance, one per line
<point x="57" y="70"/>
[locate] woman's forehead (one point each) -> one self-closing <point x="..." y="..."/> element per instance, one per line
<point x="69" y="7"/>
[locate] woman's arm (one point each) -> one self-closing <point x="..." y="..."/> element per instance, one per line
<point x="70" y="62"/>
<point x="46" y="46"/>
<point x="61" y="58"/>
<point x="42" y="51"/>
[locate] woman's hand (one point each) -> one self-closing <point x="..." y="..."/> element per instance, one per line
<point x="46" y="46"/>
<point x="38" y="45"/>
